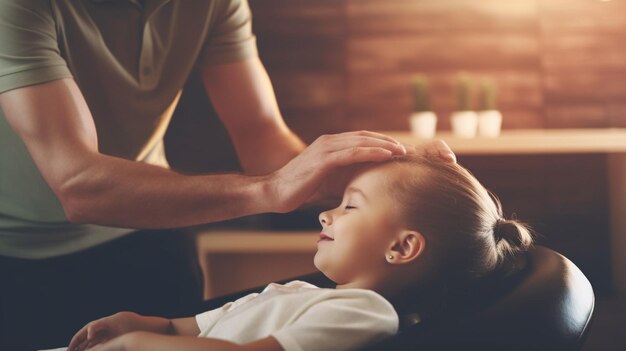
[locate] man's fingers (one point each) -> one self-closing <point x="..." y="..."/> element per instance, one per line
<point x="79" y="346"/>
<point x="78" y="338"/>
<point x="437" y="148"/>
<point x="353" y="141"/>
<point x="411" y="149"/>
<point x="92" y="331"/>
<point x="370" y="134"/>
<point x="359" y="155"/>
<point x="444" y="151"/>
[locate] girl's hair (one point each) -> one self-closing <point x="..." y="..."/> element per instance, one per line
<point x="467" y="236"/>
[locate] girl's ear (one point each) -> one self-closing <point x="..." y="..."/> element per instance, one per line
<point x="406" y="247"/>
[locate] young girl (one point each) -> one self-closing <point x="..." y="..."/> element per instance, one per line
<point x="413" y="226"/>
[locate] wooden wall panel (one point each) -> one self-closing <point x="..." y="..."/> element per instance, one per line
<point x="588" y="51"/>
<point x="584" y="62"/>
<point x="582" y="15"/>
<point x="378" y="17"/>
<point x="460" y="51"/>
<point x="302" y="45"/>
<point x="391" y="41"/>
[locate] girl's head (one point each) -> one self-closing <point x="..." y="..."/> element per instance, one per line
<point x="412" y="223"/>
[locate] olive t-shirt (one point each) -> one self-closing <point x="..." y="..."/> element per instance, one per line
<point x="130" y="59"/>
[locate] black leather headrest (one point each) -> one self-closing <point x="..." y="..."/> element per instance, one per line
<point x="545" y="306"/>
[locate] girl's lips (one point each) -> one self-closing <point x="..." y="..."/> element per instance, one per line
<point x="324" y="237"/>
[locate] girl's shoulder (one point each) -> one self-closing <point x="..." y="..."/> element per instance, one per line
<point x="294" y="285"/>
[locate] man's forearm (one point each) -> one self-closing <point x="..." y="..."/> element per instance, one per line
<point x="116" y="192"/>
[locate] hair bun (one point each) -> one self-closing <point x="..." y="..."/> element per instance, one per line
<point x="511" y="236"/>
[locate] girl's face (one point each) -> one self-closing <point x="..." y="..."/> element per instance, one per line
<point x="357" y="234"/>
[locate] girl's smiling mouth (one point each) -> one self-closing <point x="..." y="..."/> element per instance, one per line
<point x="324" y="237"/>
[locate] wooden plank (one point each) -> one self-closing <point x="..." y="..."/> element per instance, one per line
<point x="300" y="36"/>
<point x="311" y="18"/>
<point x="567" y="141"/>
<point x="305" y="90"/>
<point x="583" y="87"/>
<point x="405" y="53"/>
<point x="256" y="241"/>
<point x="559" y="16"/>
<point x="586" y="52"/>
<point x="617" y="114"/>
<point x="576" y="115"/>
<point x="367" y="17"/>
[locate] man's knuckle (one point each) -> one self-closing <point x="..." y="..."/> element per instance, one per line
<point x="355" y="151"/>
<point x="324" y="137"/>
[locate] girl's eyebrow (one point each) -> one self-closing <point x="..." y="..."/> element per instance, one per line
<point x="352" y="189"/>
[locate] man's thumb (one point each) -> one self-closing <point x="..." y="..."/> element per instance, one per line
<point x="92" y="331"/>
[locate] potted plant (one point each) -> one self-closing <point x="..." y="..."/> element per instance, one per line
<point x="489" y="118"/>
<point x="423" y="121"/>
<point x="464" y="120"/>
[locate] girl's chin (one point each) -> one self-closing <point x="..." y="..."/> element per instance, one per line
<point x="318" y="262"/>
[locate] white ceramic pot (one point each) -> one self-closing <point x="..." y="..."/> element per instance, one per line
<point x="464" y="124"/>
<point x="489" y="123"/>
<point x="423" y="124"/>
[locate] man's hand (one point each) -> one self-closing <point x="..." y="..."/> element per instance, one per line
<point x="299" y="179"/>
<point x="436" y="148"/>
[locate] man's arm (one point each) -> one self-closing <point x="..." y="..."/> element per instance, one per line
<point x="56" y="125"/>
<point x="244" y="99"/>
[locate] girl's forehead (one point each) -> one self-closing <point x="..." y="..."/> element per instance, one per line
<point x="376" y="177"/>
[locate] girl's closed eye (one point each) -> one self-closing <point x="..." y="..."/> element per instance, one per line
<point x="349" y="207"/>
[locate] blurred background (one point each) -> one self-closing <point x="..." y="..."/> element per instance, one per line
<point x="340" y="65"/>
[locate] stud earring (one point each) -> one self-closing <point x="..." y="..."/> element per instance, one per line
<point x="390" y="257"/>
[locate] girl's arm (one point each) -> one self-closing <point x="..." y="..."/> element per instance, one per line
<point x="184" y="326"/>
<point x="102" y="330"/>
<point x="143" y="341"/>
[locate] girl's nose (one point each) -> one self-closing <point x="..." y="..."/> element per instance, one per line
<point x="325" y="218"/>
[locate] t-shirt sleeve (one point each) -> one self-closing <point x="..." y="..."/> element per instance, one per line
<point x="344" y="321"/>
<point x="29" y="52"/>
<point x="208" y="319"/>
<point x="231" y="38"/>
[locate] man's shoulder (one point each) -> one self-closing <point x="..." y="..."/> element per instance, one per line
<point x="25" y="12"/>
<point x="11" y="7"/>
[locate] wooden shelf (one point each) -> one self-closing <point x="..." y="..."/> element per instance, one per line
<point x="257" y="241"/>
<point x="233" y="260"/>
<point x="531" y="141"/>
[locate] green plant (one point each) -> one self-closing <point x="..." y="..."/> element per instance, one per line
<point x="464" y="92"/>
<point x="488" y="95"/>
<point x="421" y="97"/>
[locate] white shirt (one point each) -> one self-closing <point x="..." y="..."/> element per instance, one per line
<point x="301" y="316"/>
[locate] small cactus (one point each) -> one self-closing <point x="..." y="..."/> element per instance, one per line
<point x="464" y="92"/>
<point x="488" y="95"/>
<point x="421" y="97"/>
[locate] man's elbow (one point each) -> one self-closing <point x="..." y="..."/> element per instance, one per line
<point x="75" y="210"/>
<point x="75" y="202"/>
